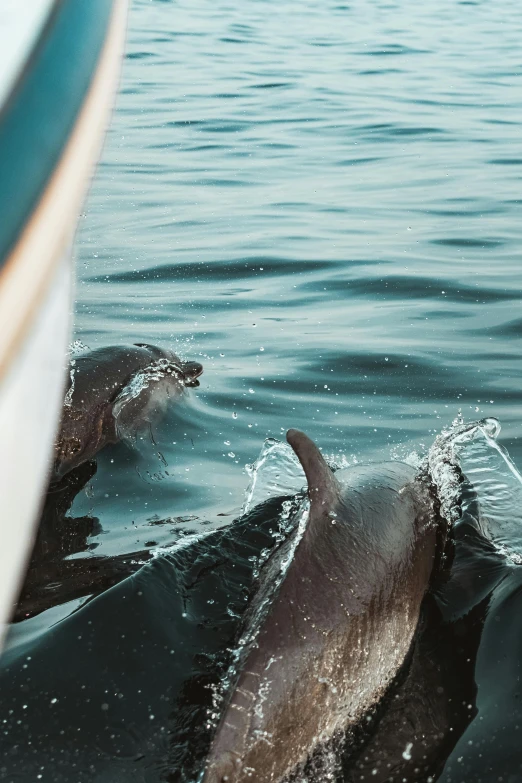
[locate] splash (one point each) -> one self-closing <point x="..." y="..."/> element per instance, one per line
<point x="183" y="542"/>
<point x="70" y="391"/>
<point x="464" y="451"/>
<point x="75" y="348"/>
<point x="444" y="465"/>
<point x="497" y="485"/>
<point x="471" y="452"/>
<point x="277" y="471"/>
<point x="141" y="383"/>
<point x="289" y="532"/>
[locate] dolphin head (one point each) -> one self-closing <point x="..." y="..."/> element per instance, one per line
<point x="133" y="384"/>
<point x="187" y="372"/>
<point x="191" y="372"/>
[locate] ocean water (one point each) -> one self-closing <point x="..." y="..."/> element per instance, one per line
<point x="130" y="684"/>
<point x="322" y="203"/>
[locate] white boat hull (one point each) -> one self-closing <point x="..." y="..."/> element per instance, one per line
<point x="35" y="313"/>
<point x="31" y="399"/>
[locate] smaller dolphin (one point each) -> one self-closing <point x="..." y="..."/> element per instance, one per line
<point x="114" y="389"/>
<point x="341" y="623"/>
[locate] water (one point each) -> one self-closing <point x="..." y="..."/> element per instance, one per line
<point x="321" y="202"/>
<point x="492" y="494"/>
<point x="132" y="683"/>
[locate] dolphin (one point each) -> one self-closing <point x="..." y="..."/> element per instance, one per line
<point x="342" y="620"/>
<point x="129" y="684"/>
<point x="114" y="389"/>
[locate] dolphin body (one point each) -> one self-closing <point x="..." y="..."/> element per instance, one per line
<point x="123" y="687"/>
<point x="113" y="389"/>
<point x="342" y="622"/>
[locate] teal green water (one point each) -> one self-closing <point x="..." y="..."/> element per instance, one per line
<point x="322" y="203"/>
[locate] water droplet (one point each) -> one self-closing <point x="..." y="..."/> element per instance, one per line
<point x="406" y="754"/>
<point x="491" y="427"/>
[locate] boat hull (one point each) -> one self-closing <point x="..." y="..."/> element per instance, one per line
<point x="36" y="274"/>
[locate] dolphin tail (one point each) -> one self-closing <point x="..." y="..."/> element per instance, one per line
<point x="323" y="487"/>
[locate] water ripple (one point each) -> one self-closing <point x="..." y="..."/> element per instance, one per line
<point x="291" y="193"/>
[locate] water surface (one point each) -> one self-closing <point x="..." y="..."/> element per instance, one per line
<point x="322" y="203"/>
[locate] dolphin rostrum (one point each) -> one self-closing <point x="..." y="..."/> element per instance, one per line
<point x="341" y="622"/>
<point x="114" y="388"/>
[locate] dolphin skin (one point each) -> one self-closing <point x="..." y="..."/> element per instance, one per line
<point x="134" y="382"/>
<point x="130" y="685"/>
<point x="341" y="624"/>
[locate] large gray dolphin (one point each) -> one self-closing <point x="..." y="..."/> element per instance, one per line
<point x="130" y="381"/>
<point x="341" y="623"/>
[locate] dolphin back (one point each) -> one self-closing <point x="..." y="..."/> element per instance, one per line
<point x="341" y="624"/>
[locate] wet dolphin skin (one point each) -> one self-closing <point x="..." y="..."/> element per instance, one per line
<point x="341" y="624"/>
<point x="98" y="384"/>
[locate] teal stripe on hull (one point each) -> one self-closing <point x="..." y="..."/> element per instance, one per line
<point x="40" y="114"/>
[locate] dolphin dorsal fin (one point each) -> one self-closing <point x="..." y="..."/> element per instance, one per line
<point x="323" y="487"/>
